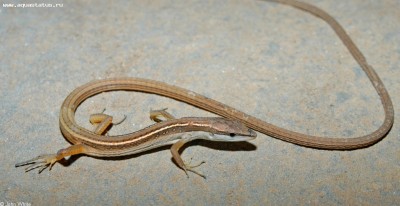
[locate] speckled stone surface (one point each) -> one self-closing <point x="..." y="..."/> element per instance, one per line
<point x="277" y="63"/>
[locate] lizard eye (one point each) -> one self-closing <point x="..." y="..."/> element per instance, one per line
<point x="232" y="134"/>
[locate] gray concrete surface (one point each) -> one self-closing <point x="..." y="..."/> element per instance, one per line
<point x="279" y="64"/>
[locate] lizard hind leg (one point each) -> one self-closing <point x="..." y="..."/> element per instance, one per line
<point x="44" y="161"/>
<point x="41" y="162"/>
<point x="160" y="115"/>
<point x="103" y="122"/>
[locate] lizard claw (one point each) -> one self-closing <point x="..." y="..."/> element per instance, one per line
<point x="189" y="167"/>
<point x="41" y="162"/>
